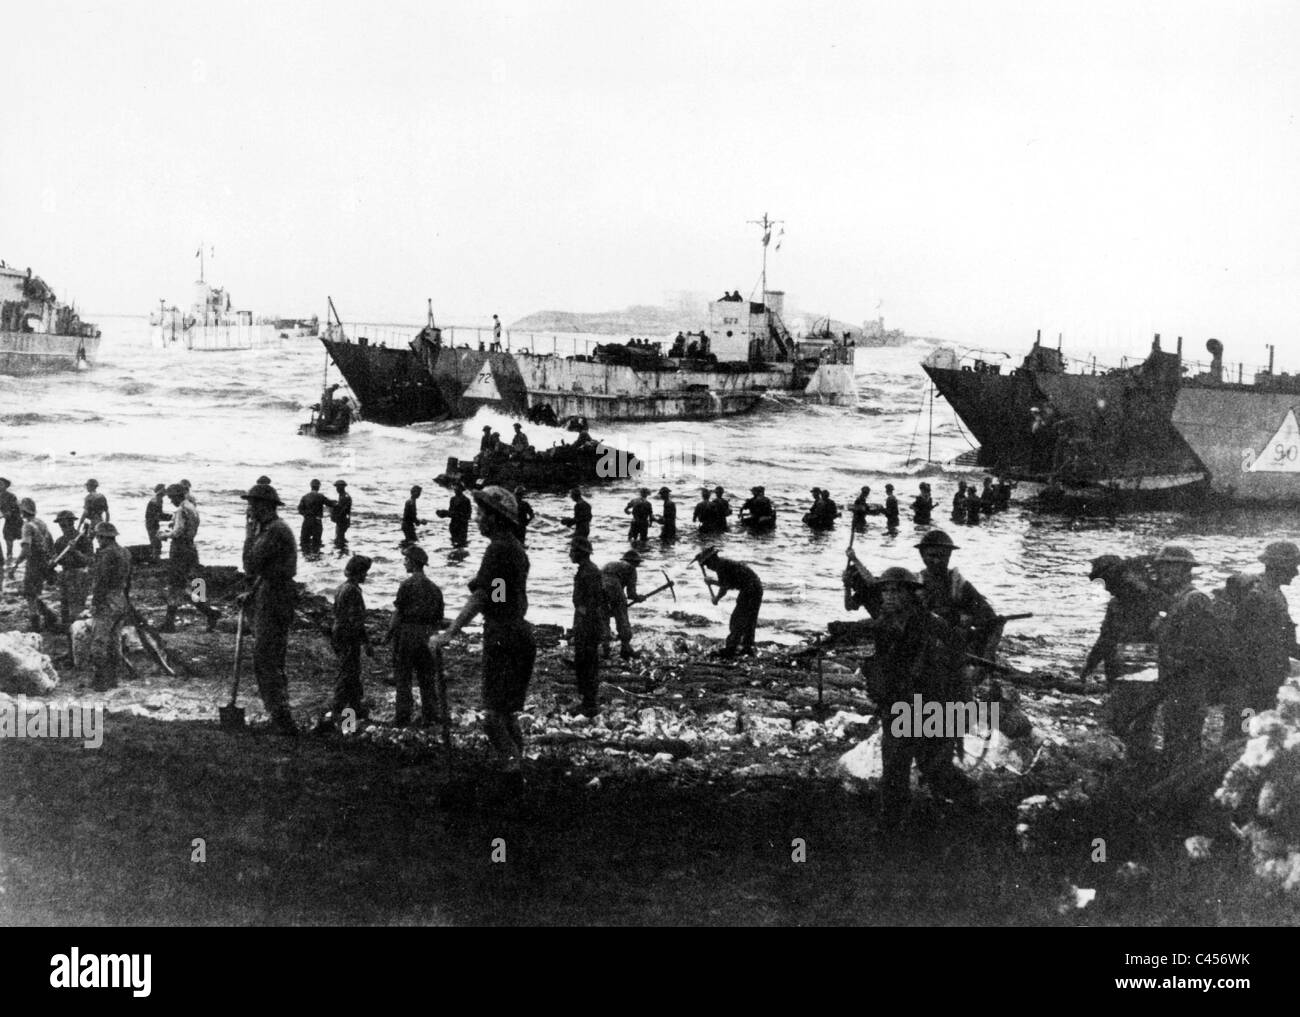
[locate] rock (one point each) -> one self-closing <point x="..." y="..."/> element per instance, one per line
<point x="690" y="621"/>
<point x="662" y="757"/>
<point x="594" y="782"/>
<point x="25" y="669"/>
<point x="1197" y="848"/>
<point x="860" y="764"/>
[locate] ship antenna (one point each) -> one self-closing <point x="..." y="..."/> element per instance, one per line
<point x="767" y="225"/>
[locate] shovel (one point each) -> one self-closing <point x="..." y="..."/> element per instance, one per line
<point x="232" y="716"/>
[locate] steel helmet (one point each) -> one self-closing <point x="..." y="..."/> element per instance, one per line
<point x="896" y="575"/>
<point x="937" y="538"/>
<point x="1177" y="553"/>
<point x="1103" y="565"/>
<point x="1281" y="552"/>
<point x="105" y="530"/>
<point x="258" y="492"/>
<point x="499" y="500"/>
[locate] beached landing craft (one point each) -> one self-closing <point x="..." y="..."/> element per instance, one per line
<point x="38" y="335"/>
<point x="1246" y="433"/>
<point x="746" y="352"/>
<point x="1084" y="435"/>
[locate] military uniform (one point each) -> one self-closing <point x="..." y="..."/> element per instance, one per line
<point x="410" y="517"/>
<point x="341" y="515"/>
<point x="508" y="645"/>
<point x="416" y="616"/>
<point x="915" y="654"/>
<point x="109" y="609"/>
<point x="749" y="597"/>
<point x="154" y="517"/>
<point x="75" y="555"/>
<point x="618" y="580"/>
<point x="589" y="626"/>
<point x="37" y="545"/>
<point x="312" y="507"/>
<point x="891" y="512"/>
<point x="1132" y="610"/>
<point x="642" y="511"/>
<point x="348" y="638"/>
<point x="668" y="520"/>
<point x="460" y="510"/>
<point x="13" y="519"/>
<point x="1264" y="641"/>
<point x="581" y="518"/>
<point x="1189" y="642"/>
<point x="271" y="558"/>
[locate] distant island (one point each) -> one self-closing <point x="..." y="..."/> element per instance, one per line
<point x="648" y="320"/>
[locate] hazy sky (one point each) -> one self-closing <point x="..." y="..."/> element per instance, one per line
<point x="1106" y="170"/>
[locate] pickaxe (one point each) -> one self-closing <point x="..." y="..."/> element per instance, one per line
<point x="668" y="585"/>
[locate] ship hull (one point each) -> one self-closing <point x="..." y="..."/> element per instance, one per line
<point x="391" y="385"/>
<point x="517" y="382"/>
<point x="26" y="353"/>
<point x="1110" y="431"/>
<point x="1248" y="440"/>
<point x="221" y="338"/>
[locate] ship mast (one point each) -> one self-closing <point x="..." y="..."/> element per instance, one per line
<point x="767" y="225"/>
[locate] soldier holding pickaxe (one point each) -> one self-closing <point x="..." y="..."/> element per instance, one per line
<point x="749" y="597"/>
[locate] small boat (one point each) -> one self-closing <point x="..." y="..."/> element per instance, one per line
<point x="580" y="464"/>
<point x="323" y="428"/>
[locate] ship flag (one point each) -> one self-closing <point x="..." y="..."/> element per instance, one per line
<point x="1281" y="454"/>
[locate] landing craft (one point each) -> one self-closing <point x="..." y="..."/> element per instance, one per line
<point x="1083" y="435"/>
<point x="39" y="335"/>
<point x="1246" y="433"/>
<point x="746" y="352"/>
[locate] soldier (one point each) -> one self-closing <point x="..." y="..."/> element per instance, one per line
<point x="667" y="515"/>
<point x="749" y="597"/>
<point x="348" y="638"/>
<point x="703" y="514"/>
<point x="74" y="553"/>
<point x="271" y="560"/>
<point x="1264" y="634"/>
<point x="959" y="503"/>
<point x="891" y="508"/>
<point x="1189" y="638"/>
<point x="485" y="443"/>
<point x="581" y="518"/>
<point x="95" y="507"/>
<point x="816" y="514"/>
<point x="341" y="513"/>
<point x="758" y="512"/>
<point x="500" y="592"/>
<point x="988" y="497"/>
<point x="973" y="505"/>
<point x="589" y="625"/>
<point x="108" y="605"/>
<point x="183" y="562"/>
<point x="416" y="616"/>
<point x="861" y="508"/>
<point x="411" y="516"/>
<point x="526" y="514"/>
<point x="911" y="652"/>
<point x="154" y="517"/>
<point x="947" y="594"/>
<point x="13" y="519"/>
<point x="618" y="579"/>
<point x="642" y="512"/>
<point x="312" y="507"/>
<point x="35" y="550"/>
<point x="458" y="510"/>
<point x="922" y="505"/>
<point x="720" y="507"/>
<point x="519" y="443"/>
<point x="1133" y="608"/>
